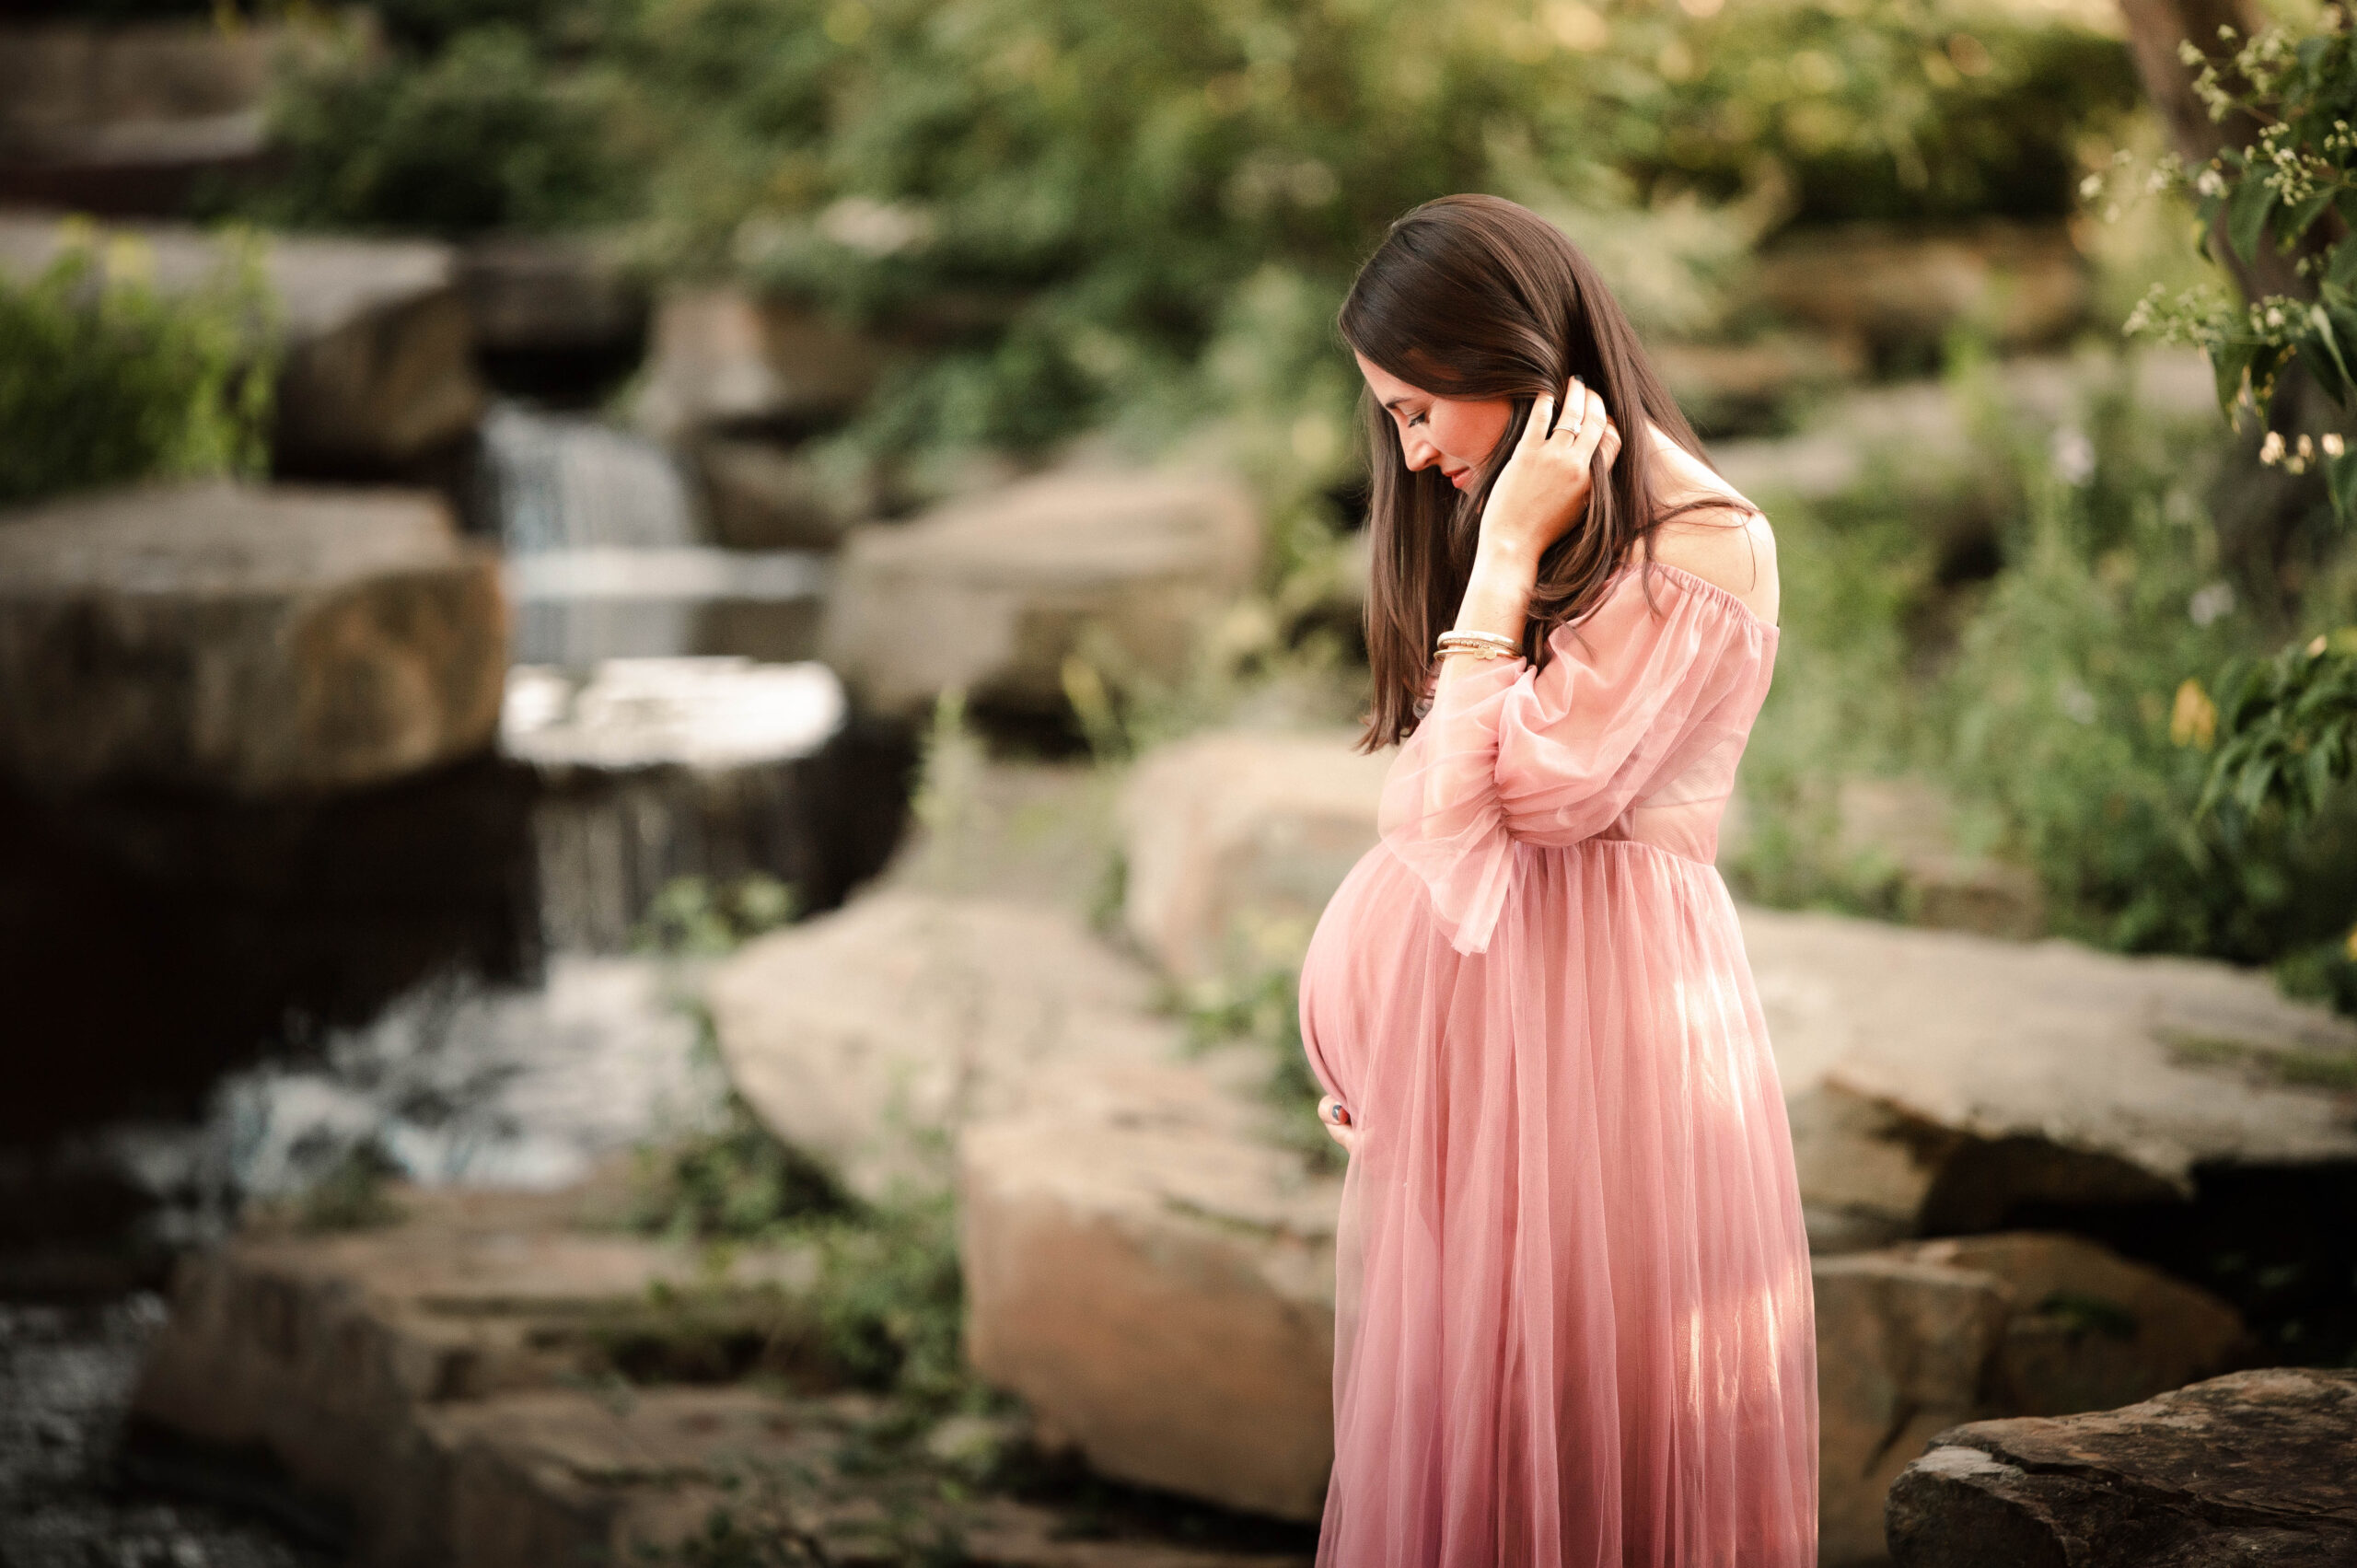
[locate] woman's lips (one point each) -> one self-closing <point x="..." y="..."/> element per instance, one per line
<point x="1456" y="476"/>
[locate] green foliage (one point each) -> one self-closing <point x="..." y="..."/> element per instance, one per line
<point x="1264" y="1010"/>
<point x="2300" y="94"/>
<point x="354" y="1194"/>
<point x="105" y="378"/>
<point x="690" y="917"/>
<point x="1144" y="214"/>
<point x="485" y="134"/>
<point x="2290" y="723"/>
<point x="1906" y="111"/>
<point x="732" y="1182"/>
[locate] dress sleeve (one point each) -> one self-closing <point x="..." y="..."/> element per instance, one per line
<point x="1509" y="755"/>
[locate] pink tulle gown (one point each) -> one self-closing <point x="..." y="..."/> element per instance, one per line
<point x="1574" y="1321"/>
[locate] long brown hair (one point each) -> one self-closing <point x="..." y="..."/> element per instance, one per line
<point x="1475" y="296"/>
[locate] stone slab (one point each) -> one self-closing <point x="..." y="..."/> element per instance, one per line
<point x="254" y="642"/>
<point x="869" y="1037"/>
<point x="2252" y="1468"/>
<point x="1155" y="1279"/>
<point x="1235" y="842"/>
<point x="1938" y="1081"/>
<point x="990" y="596"/>
<point x="1913" y="1340"/>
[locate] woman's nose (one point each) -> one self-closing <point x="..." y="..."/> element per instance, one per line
<point x="1419" y="454"/>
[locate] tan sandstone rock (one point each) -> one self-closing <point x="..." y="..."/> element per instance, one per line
<point x="1913" y="1340"/>
<point x="992" y="595"/>
<point x="725" y="357"/>
<point x="869" y="1037"/>
<point x="453" y="1379"/>
<point x="1237" y="839"/>
<point x="1939" y="1081"/>
<point x="378" y="369"/>
<point x="1155" y="1279"/>
<point x="256" y="642"/>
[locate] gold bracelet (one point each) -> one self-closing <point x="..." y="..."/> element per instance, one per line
<point x="1480" y="645"/>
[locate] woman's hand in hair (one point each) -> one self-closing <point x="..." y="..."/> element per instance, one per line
<point x="1545" y="486"/>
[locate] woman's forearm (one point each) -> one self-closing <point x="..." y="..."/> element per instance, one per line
<point x="1497" y="598"/>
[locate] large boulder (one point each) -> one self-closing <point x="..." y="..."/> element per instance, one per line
<point x="723" y="358"/>
<point x="869" y="1038"/>
<point x="990" y="596"/>
<point x="378" y="375"/>
<point x="654" y="769"/>
<point x="1235" y="840"/>
<point x="2248" y="1470"/>
<point x="1155" y="1276"/>
<point x="128" y="118"/>
<point x="1939" y="1081"/>
<point x="765" y="497"/>
<point x="252" y="642"/>
<point x="1916" y="1339"/>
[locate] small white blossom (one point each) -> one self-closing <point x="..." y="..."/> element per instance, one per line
<point x="2334" y="445"/>
<point x="2209" y="182"/>
<point x="2209" y="603"/>
<point x="2271" y="451"/>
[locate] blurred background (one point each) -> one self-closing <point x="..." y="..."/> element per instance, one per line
<point x="676" y="683"/>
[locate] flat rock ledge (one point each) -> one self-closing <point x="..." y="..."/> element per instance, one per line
<point x="456" y="1382"/>
<point x="243" y="641"/>
<point x="2253" y="1470"/>
<point x="990" y="596"/>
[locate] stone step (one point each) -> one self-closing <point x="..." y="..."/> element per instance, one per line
<point x="2252" y="1468"/>
<point x="1121" y="565"/>
<point x="131" y="118"/>
<point x="1912" y="1340"/>
<point x="450" y="1379"/>
<point x="378" y="375"/>
<point x="245" y="640"/>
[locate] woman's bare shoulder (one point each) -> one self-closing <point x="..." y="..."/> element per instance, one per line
<point x="1719" y="536"/>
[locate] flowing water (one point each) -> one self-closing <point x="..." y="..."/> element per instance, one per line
<point x="608" y="558"/>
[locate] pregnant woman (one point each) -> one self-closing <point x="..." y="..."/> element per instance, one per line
<point x="1574" y="1327"/>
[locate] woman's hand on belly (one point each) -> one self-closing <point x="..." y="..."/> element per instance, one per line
<point x="1336" y="1119"/>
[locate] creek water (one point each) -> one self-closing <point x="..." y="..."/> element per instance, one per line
<point x="463" y="1077"/>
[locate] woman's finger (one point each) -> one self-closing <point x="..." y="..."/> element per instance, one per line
<point x="1542" y="418"/>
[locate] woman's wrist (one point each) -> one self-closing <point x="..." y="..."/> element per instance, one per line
<point x="1497" y="593"/>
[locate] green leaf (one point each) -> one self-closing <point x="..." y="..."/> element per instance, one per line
<point x="2340" y="477"/>
<point x="2230" y="362"/>
<point x="2246" y="215"/>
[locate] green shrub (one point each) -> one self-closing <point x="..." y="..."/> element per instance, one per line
<point x="105" y="379"/>
<point x="485" y="134"/>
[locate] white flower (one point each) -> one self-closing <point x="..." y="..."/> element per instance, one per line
<point x="2271" y="451"/>
<point x="2074" y="456"/>
<point x="2209" y="182"/>
<point x="2334" y="445"/>
<point x="2091" y="187"/>
<point x="2209" y="603"/>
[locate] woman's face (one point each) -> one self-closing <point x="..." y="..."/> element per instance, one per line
<point x="1455" y="434"/>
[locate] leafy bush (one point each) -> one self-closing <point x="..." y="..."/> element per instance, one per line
<point x="104" y="379"/>
<point x="482" y="134"/>
<point x="2069" y="715"/>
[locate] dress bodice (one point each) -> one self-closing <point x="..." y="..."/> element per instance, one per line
<point x="1631" y="730"/>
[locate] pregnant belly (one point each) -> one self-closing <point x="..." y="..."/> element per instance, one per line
<point x="1376" y="919"/>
